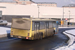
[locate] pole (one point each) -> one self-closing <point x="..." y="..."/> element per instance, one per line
<point x="63" y="13"/>
<point x="38" y="11"/>
<point x="69" y="13"/>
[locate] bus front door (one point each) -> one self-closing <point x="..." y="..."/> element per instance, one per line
<point x="37" y="27"/>
<point x="47" y="26"/>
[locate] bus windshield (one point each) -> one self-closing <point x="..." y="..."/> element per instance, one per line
<point x="21" y="24"/>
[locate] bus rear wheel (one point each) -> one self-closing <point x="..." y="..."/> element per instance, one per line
<point x="41" y="36"/>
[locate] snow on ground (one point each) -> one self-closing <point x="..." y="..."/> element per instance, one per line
<point x="72" y="47"/>
<point x="4" y="30"/>
<point x="66" y="27"/>
<point x="71" y="31"/>
<point x="71" y="44"/>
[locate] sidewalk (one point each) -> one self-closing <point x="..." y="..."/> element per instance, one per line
<point x="71" y="42"/>
<point x="70" y="26"/>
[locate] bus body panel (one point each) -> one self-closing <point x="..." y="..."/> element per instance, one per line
<point x="20" y="32"/>
<point x="47" y="33"/>
<point x="37" y="33"/>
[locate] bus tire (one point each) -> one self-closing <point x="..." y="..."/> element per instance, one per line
<point x="41" y="36"/>
<point x="53" y="33"/>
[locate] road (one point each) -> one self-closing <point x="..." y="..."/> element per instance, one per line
<point x="49" y="43"/>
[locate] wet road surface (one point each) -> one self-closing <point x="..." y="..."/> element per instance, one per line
<point x="49" y="43"/>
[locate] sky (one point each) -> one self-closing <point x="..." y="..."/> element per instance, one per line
<point x="60" y="3"/>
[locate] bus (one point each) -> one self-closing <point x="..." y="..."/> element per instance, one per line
<point x="31" y="29"/>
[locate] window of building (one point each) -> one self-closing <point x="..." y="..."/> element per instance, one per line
<point x="23" y="3"/>
<point x="24" y="0"/>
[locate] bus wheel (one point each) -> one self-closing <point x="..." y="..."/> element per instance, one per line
<point x="41" y="36"/>
<point x="53" y="34"/>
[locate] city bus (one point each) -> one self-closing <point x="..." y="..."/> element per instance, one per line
<point x="31" y="29"/>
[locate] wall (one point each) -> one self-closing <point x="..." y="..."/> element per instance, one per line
<point x="33" y="11"/>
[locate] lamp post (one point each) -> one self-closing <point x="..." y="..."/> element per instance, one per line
<point x="63" y="13"/>
<point x="38" y="11"/>
<point x="69" y="13"/>
<point x="62" y="18"/>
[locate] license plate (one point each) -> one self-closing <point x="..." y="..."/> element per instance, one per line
<point x="19" y="36"/>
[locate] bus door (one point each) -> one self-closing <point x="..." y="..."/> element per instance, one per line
<point x="47" y="27"/>
<point x="37" y="26"/>
<point x="55" y="27"/>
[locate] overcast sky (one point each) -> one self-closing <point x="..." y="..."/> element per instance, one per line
<point x="59" y="2"/>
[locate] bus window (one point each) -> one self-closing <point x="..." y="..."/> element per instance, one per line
<point x="54" y="24"/>
<point x="47" y="24"/>
<point x="37" y="25"/>
<point x="42" y="25"/>
<point x="50" y="24"/>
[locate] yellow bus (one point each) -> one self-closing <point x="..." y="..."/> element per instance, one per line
<point x="31" y="29"/>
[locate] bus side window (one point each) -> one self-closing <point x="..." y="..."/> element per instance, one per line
<point x="54" y="24"/>
<point x="42" y="25"/>
<point x="37" y="25"/>
<point x="50" y="25"/>
<point x="47" y="24"/>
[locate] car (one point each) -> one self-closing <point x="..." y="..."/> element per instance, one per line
<point x="3" y="22"/>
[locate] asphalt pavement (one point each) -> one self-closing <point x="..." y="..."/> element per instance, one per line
<point x="49" y="43"/>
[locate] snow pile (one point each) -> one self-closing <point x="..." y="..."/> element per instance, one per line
<point x="66" y="27"/>
<point x="71" y="31"/>
<point x="71" y="44"/>
<point x="71" y="38"/>
<point x="72" y="47"/>
<point x="4" y="30"/>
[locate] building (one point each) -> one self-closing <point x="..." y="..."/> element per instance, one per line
<point x="8" y="2"/>
<point x="26" y="2"/>
<point x="50" y="4"/>
<point x="69" y="6"/>
<point x="33" y="11"/>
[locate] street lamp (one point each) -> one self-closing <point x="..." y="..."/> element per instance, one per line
<point x="38" y="11"/>
<point x="63" y="12"/>
<point x="69" y="13"/>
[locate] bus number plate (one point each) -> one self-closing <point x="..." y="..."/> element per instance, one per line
<point x="19" y="36"/>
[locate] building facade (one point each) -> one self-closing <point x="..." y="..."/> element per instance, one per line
<point x="35" y="12"/>
<point x="69" y="6"/>
<point x="50" y="4"/>
<point x="26" y="2"/>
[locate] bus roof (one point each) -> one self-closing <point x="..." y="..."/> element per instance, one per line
<point x="43" y="19"/>
<point x="38" y="19"/>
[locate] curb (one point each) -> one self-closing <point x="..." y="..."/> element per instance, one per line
<point x="66" y="27"/>
<point x="71" y="38"/>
